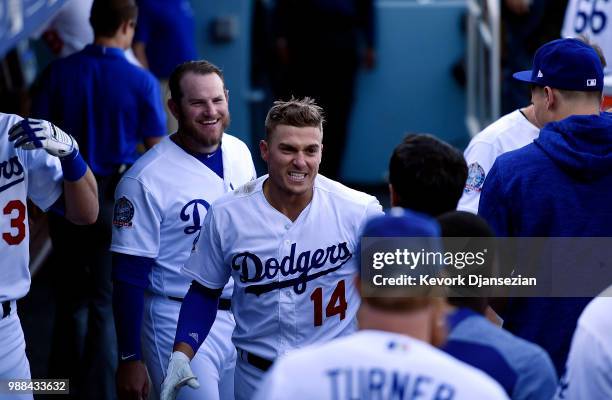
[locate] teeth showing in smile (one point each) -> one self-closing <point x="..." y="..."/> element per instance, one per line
<point x="297" y="176"/>
<point x="211" y="122"/>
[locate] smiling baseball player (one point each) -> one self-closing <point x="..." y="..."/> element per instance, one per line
<point x="42" y="163"/>
<point x="160" y="205"/>
<point x="288" y="239"/>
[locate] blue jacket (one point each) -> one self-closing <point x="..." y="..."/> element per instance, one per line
<point x="558" y="186"/>
<point x="523" y="369"/>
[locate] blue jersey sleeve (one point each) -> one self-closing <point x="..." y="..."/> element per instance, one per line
<point x="198" y="313"/>
<point x="130" y="279"/>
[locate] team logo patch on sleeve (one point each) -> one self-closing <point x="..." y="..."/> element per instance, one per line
<point x="123" y="213"/>
<point x="475" y="179"/>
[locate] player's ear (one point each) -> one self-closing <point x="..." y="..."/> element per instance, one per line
<point x="173" y="107"/>
<point x="264" y="150"/>
<point x="226" y="91"/>
<point x="551" y="100"/>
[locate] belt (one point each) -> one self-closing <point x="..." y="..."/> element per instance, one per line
<point x="6" y="309"/>
<point x="258" y="362"/>
<point x="224" y="304"/>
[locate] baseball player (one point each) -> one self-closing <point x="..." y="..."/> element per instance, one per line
<point x="288" y="239"/>
<point x="160" y="204"/>
<point x="591" y="19"/>
<point x="557" y="186"/>
<point x="588" y="373"/>
<point x="510" y="132"/>
<point x="41" y="162"/>
<point x="392" y="356"/>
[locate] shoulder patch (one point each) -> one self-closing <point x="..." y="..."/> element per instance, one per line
<point x="475" y="179"/>
<point x="123" y="213"/>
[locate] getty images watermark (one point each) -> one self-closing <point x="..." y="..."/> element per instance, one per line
<point x="485" y="267"/>
<point x="440" y="268"/>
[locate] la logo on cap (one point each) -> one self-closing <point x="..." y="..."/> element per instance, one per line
<point x="540" y="74"/>
<point x="591" y="82"/>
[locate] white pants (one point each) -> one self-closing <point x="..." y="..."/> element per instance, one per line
<point x="13" y="361"/>
<point x="213" y="364"/>
<point x="247" y="379"/>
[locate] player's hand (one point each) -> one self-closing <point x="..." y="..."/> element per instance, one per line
<point x="178" y="375"/>
<point x="32" y="134"/>
<point x="132" y="380"/>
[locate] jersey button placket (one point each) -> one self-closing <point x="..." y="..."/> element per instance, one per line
<point x="287" y="305"/>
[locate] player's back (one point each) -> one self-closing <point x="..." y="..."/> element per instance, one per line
<point x="376" y="365"/>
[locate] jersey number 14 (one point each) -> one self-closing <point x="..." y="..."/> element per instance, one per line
<point x="337" y="303"/>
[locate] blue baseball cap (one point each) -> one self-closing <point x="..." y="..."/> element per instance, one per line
<point x="567" y="64"/>
<point x="401" y="222"/>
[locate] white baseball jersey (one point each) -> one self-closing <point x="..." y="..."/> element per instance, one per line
<point x="593" y="19"/>
<point x="24" y="174"/>
<point x="161" y="202"/>
<point x="588" y="372"/>
<point x="374" y="364"/>
<point x="293" y="280"/>
<point x="510" y="132"/>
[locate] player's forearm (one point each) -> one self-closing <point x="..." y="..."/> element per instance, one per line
<point x="81" y="198"/>
<point x="130" y="279"/>
<point x="128" y="306"/>
<point x="198" y="313"/>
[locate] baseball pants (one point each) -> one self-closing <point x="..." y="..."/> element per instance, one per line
<point x="247" y="379"/>
<point x="213" y="364"/>
<point x="13" y="361"/>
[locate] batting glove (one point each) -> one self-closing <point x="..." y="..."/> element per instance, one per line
<point x="178" y="375"/>
<point x="32" y="134"/>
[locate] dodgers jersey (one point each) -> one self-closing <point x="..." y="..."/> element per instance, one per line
<point x="588" y="372"/>
<point x="510" y="132"/>
<point x="24" y="174"/>
<point x="293" y="280"/>
<point x="161" y="202"/>
<point x="590" y="18"/>
<point x="374" y="364"/>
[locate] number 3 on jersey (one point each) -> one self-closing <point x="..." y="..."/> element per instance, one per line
<point x="17" y="222"/>
<point x="337" y="303"/>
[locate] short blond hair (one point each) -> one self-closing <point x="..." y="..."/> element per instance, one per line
<point x="295" y="112"/>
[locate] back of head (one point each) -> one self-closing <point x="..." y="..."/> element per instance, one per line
<point x="108" y="15"/>
<point x="572" y="66"/>
<point x="427" y="174"/>
<point x="386" y="234"/>
<point x="461" y="224"/>
<point x="295" y="112"/>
